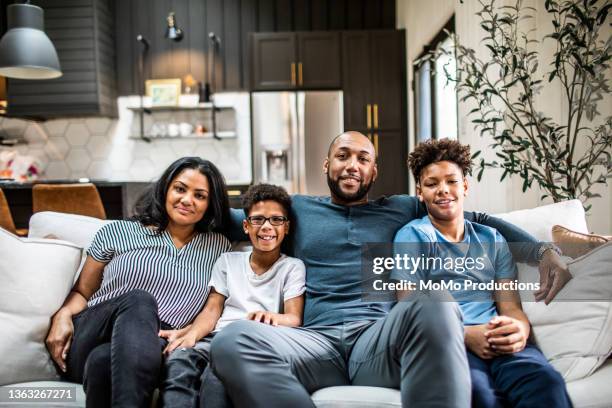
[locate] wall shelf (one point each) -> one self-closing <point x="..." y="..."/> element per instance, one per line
<point x="184" y="121"/>
<point x="201" y="106"/>
<point x="227" y="134"/>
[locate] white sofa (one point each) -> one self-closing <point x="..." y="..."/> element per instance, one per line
<point x="588" y="377"/>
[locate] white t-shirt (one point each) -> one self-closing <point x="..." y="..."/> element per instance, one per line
<point x="247" y="292"/>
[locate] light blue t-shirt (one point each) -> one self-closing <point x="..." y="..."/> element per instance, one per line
<point x="442" y="261"/>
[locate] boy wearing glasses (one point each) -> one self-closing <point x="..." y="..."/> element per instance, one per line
<point x="262" y="285"/>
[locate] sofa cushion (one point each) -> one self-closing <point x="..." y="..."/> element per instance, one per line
<point x="355" y="396"/>
<point x="540" y="220"/>
<point x="36" y="276"/>
<point x="78" y="229"/>
<point x="575" y="244"/>
<point x="575" y="330"/>
<point x="593" y="391"/>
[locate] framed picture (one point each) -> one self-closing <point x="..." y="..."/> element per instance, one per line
<point x="163" y="92"/>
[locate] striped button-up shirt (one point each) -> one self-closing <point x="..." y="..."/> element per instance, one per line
<point x="138" y="258"/>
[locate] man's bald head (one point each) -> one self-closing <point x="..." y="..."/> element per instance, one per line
<point x="350" y="135"/>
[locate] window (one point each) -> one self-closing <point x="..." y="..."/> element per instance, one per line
<point x="435" y="97"/>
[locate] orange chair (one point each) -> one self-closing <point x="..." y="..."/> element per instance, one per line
<point x="6" y="219"/>
<point x="81" y="199"/>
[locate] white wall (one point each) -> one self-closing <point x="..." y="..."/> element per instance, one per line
<point x="422" y="19"/>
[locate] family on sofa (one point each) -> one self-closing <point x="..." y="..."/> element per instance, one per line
<point x="160" y="303"/>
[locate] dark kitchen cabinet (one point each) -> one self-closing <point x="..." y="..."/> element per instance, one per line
<point x="356" y="77"/>
<point x="274" y="61"/>
<point x="303" y="60"/>
<point x="391" y="161"/>
<point x="374" y="74"/>
<point x="83" y="34"/>
<point x="388" y="83"/>
<point x="374" y="85"/>
<point x="319" y="60"/>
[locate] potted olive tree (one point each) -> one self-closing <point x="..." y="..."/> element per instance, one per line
<point x="526" y="141"/>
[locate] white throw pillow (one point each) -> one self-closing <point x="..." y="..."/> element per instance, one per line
<point x="575" y="335"/>
<point x="78" y="229"/>
<point x="540" y="220"/>
<point x="36" y="276"/>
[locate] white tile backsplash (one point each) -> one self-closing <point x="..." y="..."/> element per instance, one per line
<point x="77" y="134"/>
<point x="100" y="148"/>
<point x="57" y="148"/>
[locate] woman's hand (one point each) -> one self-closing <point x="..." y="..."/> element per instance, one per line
<point x="171" y="335"/>
<point x="477" y="342"/>
<point x="509" y="335"/>
<point x="59" y="338"/>
<point x="187" y="339"/>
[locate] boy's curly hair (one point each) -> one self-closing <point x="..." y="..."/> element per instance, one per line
<point x="266" y="192"/>
<point x="433" y="151"/>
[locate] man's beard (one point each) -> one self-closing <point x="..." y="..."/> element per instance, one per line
<point x="334" y="187"/>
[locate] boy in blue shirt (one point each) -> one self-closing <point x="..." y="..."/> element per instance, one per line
<point x="505" y="369"/>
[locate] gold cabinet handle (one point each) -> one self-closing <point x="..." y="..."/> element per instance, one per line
<point x="376" y="144"/>
<point x="369" y="115"/>
<point x="300" y="76"/>
<point x="293" y="73"/>
<point x="376" y="116"/>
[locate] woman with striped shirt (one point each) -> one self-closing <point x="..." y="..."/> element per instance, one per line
<point x="141" y="275"/>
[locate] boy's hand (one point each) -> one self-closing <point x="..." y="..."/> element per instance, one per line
<point x="477" y="342"/>
<point x="264" y="317"/>
<point x="508" y="336"/>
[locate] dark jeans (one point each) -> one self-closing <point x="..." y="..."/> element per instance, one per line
<point x="188" y="382"/>
<point x="522" y="380"/>
<point x="116" y="352"/>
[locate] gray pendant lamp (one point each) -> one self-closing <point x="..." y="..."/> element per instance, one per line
<point x="25" y="50"/>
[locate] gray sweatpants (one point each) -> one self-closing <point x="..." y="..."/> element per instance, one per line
<point x="418" y="347"/>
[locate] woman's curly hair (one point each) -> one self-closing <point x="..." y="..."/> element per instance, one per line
<point x="433" y="151"/>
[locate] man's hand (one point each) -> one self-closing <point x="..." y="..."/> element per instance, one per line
<point x="477" y="342"/>
<point x="554" y="274"/>
<point x="264" y="317"/>
<point x="508" y="335"/>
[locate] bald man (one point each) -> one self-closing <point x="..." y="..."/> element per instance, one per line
<point x="415" y="346"/>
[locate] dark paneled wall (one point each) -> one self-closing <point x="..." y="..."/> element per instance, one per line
<point x="105" y="56"/>
<point x="232" y="21"/>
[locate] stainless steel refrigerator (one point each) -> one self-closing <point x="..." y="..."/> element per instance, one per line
<point x="291" y="134"/>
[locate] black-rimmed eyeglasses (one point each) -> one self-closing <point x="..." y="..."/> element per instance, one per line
<point x="275" y="220"/>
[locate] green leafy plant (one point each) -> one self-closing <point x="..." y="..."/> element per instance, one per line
<point x="503" y="86"/>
